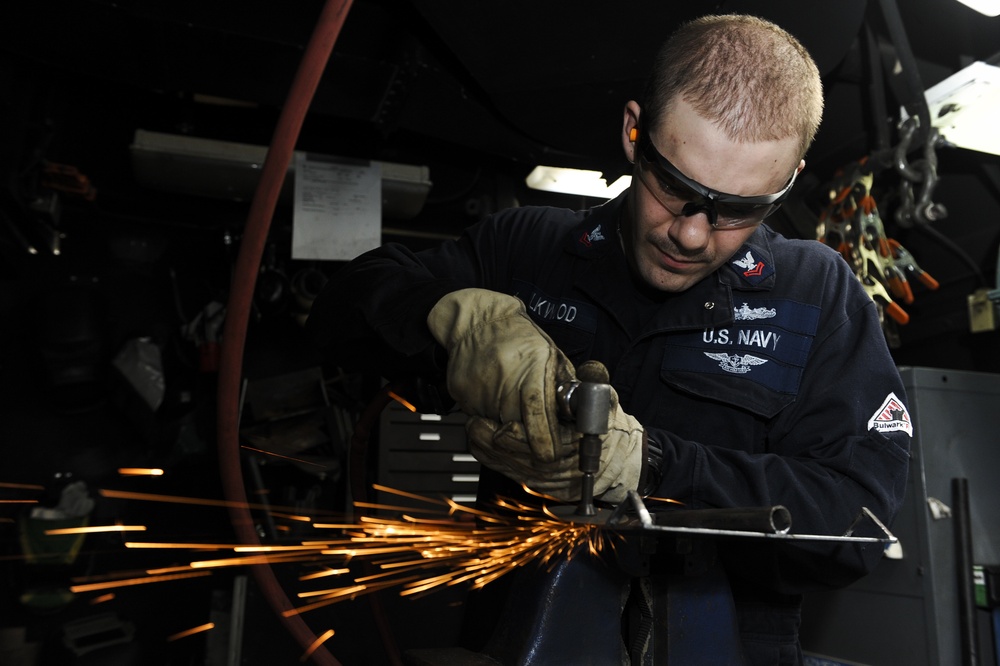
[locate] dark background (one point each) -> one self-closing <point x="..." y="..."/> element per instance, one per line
<point x="479" y="92"/>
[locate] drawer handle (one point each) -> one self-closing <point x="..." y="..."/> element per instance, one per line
<point x="430" y="417"/>
<point x="430" y="437"/>
<point x="463" y="457"/>
<point x="463" y="498"/>
<point x="465" y="478"/>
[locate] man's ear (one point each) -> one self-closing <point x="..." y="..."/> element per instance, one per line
<point x="630" y="129"/>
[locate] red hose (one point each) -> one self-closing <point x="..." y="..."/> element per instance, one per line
<point x="307" y="78"/>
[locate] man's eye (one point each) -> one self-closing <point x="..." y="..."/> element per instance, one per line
<point x="672" y="190"/>
<point x="740" y="210"/>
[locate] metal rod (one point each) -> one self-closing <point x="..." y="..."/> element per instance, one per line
<point x="968" y="634"/>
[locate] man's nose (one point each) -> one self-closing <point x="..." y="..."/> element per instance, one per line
<point x="691" y="232"/>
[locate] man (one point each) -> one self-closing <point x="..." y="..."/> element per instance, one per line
<point x="748" y="370"/>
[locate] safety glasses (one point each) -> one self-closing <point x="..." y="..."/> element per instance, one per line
<point x="682" y="196"/>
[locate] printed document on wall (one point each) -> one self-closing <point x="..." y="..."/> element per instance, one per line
<point x="338" y="208"/>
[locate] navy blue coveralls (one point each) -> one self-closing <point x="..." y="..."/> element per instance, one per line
<point x="768" y="382"/>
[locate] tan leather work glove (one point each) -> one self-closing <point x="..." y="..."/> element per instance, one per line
<point x="506" y="450"/>
<point x="501" y="366"/>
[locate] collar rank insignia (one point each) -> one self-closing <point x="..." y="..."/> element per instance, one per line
<point x="751" y="267"/>
<point x="592" y="236"/>
<point x="748" y="267"/>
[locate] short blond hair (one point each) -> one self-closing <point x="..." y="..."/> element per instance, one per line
<point x="748" y="75"/>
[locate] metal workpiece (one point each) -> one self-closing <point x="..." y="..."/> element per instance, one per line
<point x="771" y="522"/>
<point x="768" y="522"/>
<point x="768" y="519"/>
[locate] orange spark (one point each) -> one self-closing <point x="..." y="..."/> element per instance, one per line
<point x="254" y="559"/>
<point x="96" y="529"/>
<point x="193" y="630"/>
<point x="663" y="499"/>
<point x="117" y="575"/>
<point x="102" y="599"/>
<point x="325" y="636"/>
<point x="389" y="507"/>
<point x="403" y="493"/>
<point x="336" y="592"/>
<point x="140" y="471"/>
<point x="403" y="401"/>
<point x="535" y="493"/>
<point x="288" y="516"/>
<point x="343" y="593"/>
<point x="324" y="573"/>
<point x="76" y="589"/>
<point x="167" y="570"/>
<point x="180" y="499"/>
<point x="22" y="486"/>
<point x="270" y="549"/>
<point x="186" y="546"/>
<point x="278" y="455"/>
<point x="334" y="526"/>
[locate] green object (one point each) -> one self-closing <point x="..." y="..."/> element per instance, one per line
<point x="47" y="598"/>
<point x="986" y="580"/>
<point x="979" y="581"/>
<point x="41" y="548"/>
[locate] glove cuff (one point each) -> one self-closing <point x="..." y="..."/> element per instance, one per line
<point x="622" y="458"/>
<point x="652" y="467"/>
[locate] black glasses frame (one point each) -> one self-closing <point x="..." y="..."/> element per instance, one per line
<point x="737" y="210"/>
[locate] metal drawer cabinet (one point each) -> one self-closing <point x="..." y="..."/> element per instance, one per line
<point x="426" y="454"/>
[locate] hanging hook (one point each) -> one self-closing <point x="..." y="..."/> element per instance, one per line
<point x="919" y="209"/>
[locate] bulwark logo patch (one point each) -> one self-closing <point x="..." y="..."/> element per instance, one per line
<point x="891" y="417"/>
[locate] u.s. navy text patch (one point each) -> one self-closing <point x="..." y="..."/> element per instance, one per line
<point x="768" y="343"/>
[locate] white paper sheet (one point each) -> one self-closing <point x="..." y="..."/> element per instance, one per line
<point x="338" y="208"/>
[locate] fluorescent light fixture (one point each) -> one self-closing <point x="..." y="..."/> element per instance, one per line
<point x="575" y="181"/>
<point x="988" y="7"/>
<point x="228" y="170"/>
<point x="965" y="107"/>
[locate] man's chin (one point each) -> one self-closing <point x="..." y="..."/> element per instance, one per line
<point x="668" y="281"/>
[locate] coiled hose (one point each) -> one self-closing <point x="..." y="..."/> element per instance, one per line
<point x="265" y="198"/>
